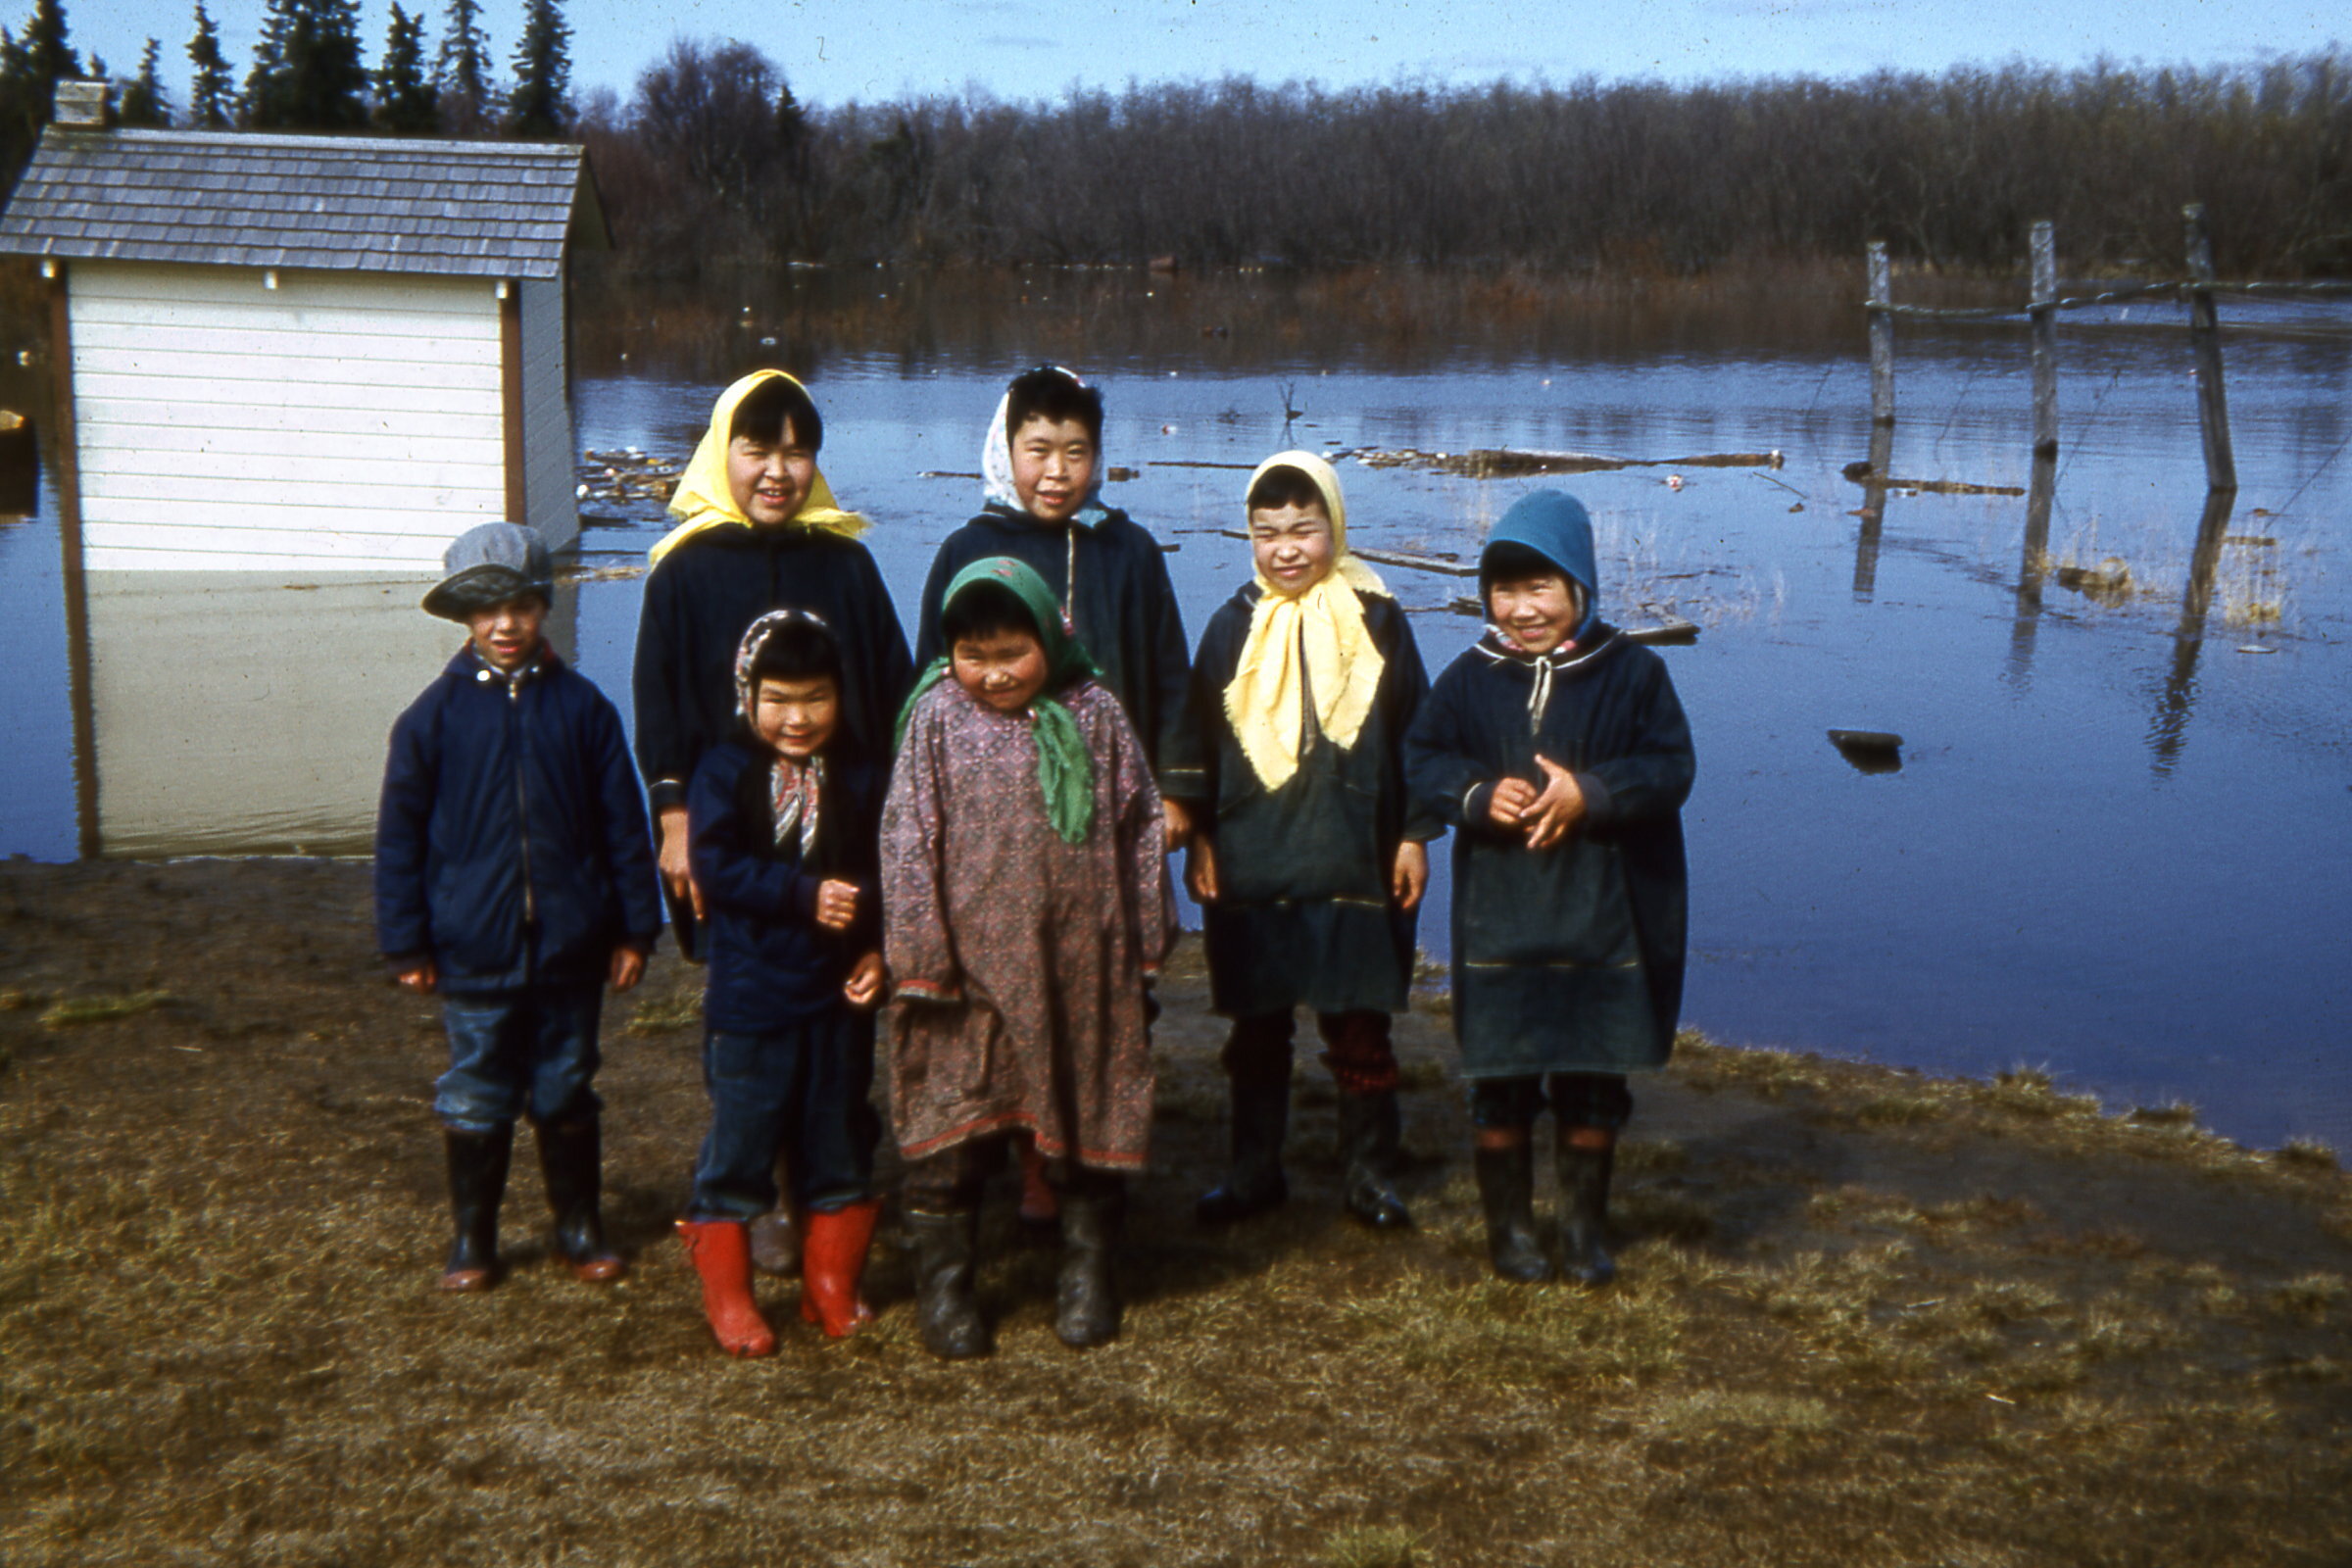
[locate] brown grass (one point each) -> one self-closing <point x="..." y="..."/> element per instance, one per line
<point x="1857" y="1338"/>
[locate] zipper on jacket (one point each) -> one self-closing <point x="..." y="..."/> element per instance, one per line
<point x="523" y="810"/>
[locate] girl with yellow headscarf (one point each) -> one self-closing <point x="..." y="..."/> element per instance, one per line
<point x="758" y="530"/>
<point x="1307" y="859"/>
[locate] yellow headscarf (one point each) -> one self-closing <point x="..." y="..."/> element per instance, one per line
<point x="1314" y="642"/>
<point x="704" y="500"/>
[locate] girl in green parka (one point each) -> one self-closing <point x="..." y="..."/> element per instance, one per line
<point x="1559" y="753"/>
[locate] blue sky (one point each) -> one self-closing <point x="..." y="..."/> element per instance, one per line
<point x="833" y="50"/>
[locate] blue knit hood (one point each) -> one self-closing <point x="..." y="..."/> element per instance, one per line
<point x="1554" y="526"/>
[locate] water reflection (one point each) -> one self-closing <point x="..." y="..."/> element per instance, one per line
<point x="241" y="714"/>
<point x="2167" y="732"/>
<point x="1873" y="512"/>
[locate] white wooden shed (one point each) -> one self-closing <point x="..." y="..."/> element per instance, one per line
<point x="322" y="354"/>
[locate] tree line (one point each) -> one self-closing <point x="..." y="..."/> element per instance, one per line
<point x="710" y="160"/>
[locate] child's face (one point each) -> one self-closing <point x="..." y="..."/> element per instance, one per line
<point x="796" y="717"/>
<point x="1053" y="467"/>
<point x="1536" y="613"/>
<point x="1292" y="545"/>
<point x="1003" y="670"/>
<point x="507" y="635"/>
<point x="769" y="479"/>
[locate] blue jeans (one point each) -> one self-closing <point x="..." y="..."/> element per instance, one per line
<point x="801" y="1088"/>
<point x="512" y="1053"/>
<point x="1578" y="1100"/>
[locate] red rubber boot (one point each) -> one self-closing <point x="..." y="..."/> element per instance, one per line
<point x="832" y="1262"/>
<point x="722" y="1253"/>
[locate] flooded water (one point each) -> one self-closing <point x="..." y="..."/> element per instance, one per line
<point x="2118" y="841"/>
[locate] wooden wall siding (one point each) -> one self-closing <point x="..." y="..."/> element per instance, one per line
<point x="336" y="422"/>
<point x="547" y="415"/>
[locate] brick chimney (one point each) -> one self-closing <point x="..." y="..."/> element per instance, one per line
<point x="81" y="105"/>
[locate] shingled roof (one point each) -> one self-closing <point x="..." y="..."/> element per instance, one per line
<point x="468" y="209"/>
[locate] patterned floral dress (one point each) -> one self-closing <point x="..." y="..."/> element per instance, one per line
<point x="1019" y="958"/>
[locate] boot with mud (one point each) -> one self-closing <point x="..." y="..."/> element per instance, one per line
<point x="832" y="1262"/>
<point x="722" y="1253"/>
<point x="946" y="1245"/>
<point x="571" y="1162"/>
<point x="1585" y="1156"/>
<point x="1369" y="1144"/>
<point x="477" y="1182"/>
<point x="1506" y="1183"/>
<point x="1086" y="1311"/>
<point x="1254" y="1183"/>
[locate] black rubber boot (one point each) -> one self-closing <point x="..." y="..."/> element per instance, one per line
<point x="1585" y="1212"/>
<point x="947" y="1247"/>
<point x="571" y="1157"/>
<point x="1261" y="1118"/>
<point x="477" y="1181"/>
<point x="1368" y="1141"/>
<point x="1085" y="1307"/>
<point x="1506" y="1190"/>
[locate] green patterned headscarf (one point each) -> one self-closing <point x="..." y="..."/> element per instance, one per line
<point x="1065" y="771"/>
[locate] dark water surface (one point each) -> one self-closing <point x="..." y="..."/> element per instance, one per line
<point x="2120" y="843"/>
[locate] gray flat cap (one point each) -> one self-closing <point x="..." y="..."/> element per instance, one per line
<point x="489" y="566"/>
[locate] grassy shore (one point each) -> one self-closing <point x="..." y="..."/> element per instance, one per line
<point x="1865" y="1317"/>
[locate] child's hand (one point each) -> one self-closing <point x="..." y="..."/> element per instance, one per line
<point x="1560" y="807"/>
<point x="1180" y="824"/>
<point x="678" y="870"/>
<point x="1509" y="803"/>
<point x="1200" y="869"/>
<point x="1409" y="878"/>
<point x="628" y="967"/>
<point x="837" y="904"/>
<point x="864" y="986"/>
<point x="420" y="978"/>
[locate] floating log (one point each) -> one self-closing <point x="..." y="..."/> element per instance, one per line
<point x="946" y="473"/>
<point x="1862" y="474"/>
<point x="1446" y="564"/>
<point x="1670" y="631"/>
<point x="1198" y="462"/>
<point x="1495" y="462"/>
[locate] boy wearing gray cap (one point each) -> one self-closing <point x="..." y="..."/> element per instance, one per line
<point x="514" y="879"/>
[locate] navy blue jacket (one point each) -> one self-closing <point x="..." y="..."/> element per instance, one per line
<point x="510" y="846"/>
<point x="1568" y="959"/>
<point x="697" y="604"/>
<point x="771" y="964"/>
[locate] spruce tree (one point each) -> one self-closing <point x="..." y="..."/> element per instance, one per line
<point x="406" y="103"/>
<point x="211" y="89"/>
<point x="31" y="68"/>
<point x="144" y="103"/>
<point x="307" y="73"/>
<point x="461" y="73"/>
<point x="539" y="104"/>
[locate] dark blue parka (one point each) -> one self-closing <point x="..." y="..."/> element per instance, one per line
<point x="510" y="845"/>
<point x="699" y="600"/>
<point x="1113" y="582"/>
<point x="1568" y="959"/>
<point x="771" y="965"/>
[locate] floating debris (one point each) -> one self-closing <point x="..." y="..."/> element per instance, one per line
<point x="1442" y="562"/>
<point x="1672" y="630"/>
<point x="2253" y="541"/>
<point x="1861" y="472"/>
<point x="2107" y="583"/>
<point x="2255" y="647"/>
<point x="946" y="473"/>
<point x="1195" y="462"/>
<point x="627" y="485"/>
<point x="1114" y="475"/>
<point x="1869" y="751"/>
<point x="1501" y="462"/>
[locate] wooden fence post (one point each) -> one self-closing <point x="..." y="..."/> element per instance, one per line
<point x="1881" y="335"/>
<point x="2045" y="314"/>
<point x="2205" y="338"/>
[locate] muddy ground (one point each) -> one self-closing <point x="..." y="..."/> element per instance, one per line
<point x="1866" y="1317"/>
